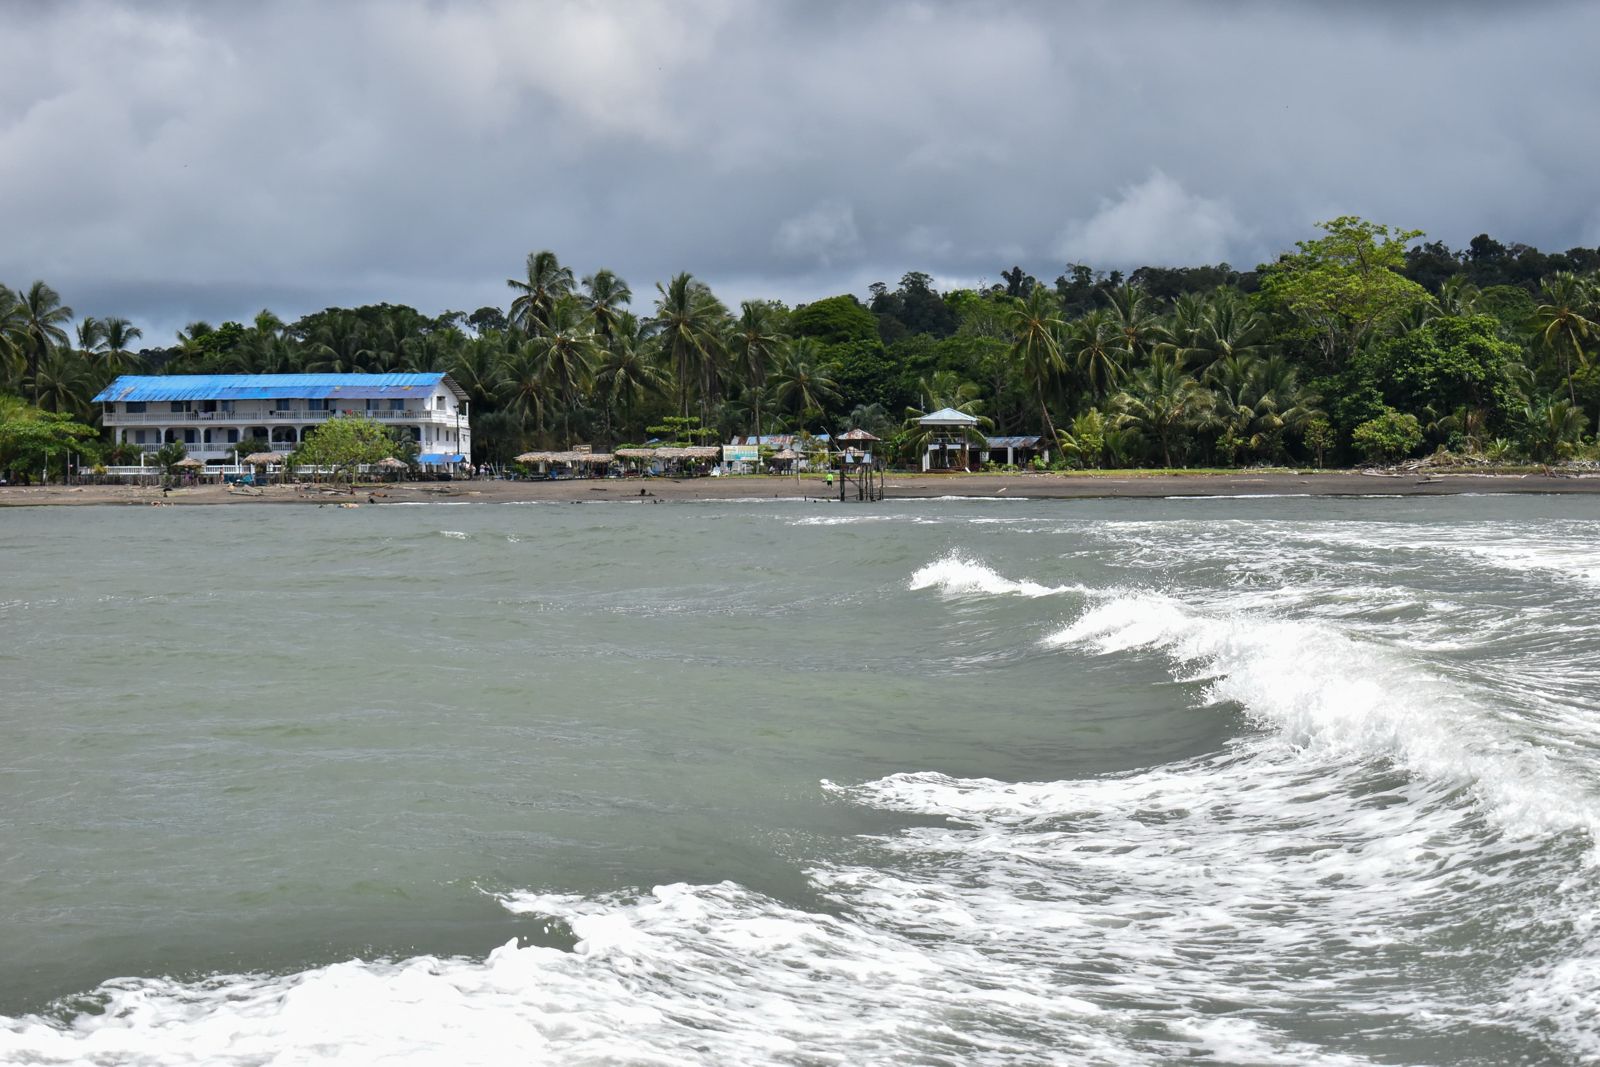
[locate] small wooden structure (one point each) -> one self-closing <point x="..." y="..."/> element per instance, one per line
<point x="860" y="467"/>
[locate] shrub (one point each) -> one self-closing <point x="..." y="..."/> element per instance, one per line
<point x="1388" y="437"/>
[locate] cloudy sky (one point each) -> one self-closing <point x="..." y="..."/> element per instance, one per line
<point x="171" y="161"/>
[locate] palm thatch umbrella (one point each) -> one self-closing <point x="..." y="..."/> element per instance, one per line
<point x="256" y="459"/>
<point x="190" y="461"/>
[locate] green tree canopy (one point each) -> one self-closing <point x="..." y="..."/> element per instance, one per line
<point x="1345" y="286"/>
<point x="345" y="443"/>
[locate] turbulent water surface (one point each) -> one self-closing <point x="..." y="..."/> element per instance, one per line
<point x="946" y="782"/>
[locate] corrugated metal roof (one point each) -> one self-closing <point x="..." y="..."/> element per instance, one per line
<point x="437" y="459"/>
<point x="1011" y="442"/>
<point x="141" y="387"/>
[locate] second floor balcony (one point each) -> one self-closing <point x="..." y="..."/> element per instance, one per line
<point x="270" y="416"/>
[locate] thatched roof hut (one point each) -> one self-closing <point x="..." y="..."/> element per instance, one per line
<point x="256" y="459"/>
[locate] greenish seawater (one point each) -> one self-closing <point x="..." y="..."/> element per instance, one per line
<point x="1258" y="780"/>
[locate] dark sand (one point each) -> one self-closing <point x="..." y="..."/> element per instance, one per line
<point x="905" y="486"/>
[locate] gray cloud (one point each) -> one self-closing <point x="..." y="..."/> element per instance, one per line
<point x="167" y="161"/>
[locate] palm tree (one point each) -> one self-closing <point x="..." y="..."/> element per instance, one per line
<point x="605" y="295"/>
<point x="62" y="383"/>
<point x="1163" y="399"/>
<point x="44" y="330"/>
<point x="627" y="374"/>
<point x="1035" y="326"/>
<point x="338" y="344"/>
<point x="1091" y="345"/>
<point x="688" y="321"/>
<point x="1228" y="326"/>
<point x="756" y="346"/>
<point x="799" y="386"/>
<point x="475" y="367"/>
<point x="523" y="387"/>
<point x="1458" y="297"/>
<point x="547" y="282"/>
<point x="1137" y="327"/>
<point x="565" y="355"/>
<point x="1554" y="428"/>
<point x="1560" y="323"/>
<point x="13" y="337"/>
<point x="117" y="356"/>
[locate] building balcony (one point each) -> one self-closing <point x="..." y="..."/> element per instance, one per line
<point x="268" y="418"/>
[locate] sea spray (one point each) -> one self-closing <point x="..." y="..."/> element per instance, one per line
<point x="956" y="575"/>
<point x="1328" y="693"/>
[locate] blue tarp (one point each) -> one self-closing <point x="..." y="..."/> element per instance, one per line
<point x="439" y="459"/>
<point x="147" y="387"/>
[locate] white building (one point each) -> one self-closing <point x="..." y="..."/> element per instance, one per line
<point x="211" y="414"/>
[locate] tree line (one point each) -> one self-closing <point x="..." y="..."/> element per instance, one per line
<point x="1365" y="343"/>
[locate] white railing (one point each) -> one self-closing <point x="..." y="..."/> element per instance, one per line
<point x="163" y="418"/>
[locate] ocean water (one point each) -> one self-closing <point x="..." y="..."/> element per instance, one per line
<point x="944" y="782"/>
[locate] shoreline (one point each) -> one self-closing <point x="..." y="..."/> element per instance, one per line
<point x="1030" y="486"/>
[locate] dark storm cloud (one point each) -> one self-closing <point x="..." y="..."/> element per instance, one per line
<point x="182" y="160"/>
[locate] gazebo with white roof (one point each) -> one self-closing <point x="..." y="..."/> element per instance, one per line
<point x="949" y="431"/>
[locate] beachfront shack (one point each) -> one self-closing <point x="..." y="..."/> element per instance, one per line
<point x="1015" y="451"/>
<point x="950" y="436"/>
<point x="211" y="414"/>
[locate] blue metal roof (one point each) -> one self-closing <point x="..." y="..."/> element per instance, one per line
<point x="439" y="459"/>
<point x="139" y="387"/>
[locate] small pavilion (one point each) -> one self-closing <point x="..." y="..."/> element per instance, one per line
<point x="949" y="440"/>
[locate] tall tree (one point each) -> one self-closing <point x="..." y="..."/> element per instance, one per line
<point x="13" y="340"/>
<point x="547" y="282"/>
<point x="605" y="296"/>
<point x="1346" y="286"/>
<point x="1164" y="400"/>
<point x="688" y="321"/>
<point x="1133" y="317"/>
<point x="565" y="354"/>
<point x="627" y="374"/>
<point x="1092" y="345"/>
<point x="1035" y="326"/>
<point x="756" y="344"/>
<point x="117" y="356"/>
<point x="799" y="385"/>
<point x="1561" y="324"/>
<point x="44" y="326"/>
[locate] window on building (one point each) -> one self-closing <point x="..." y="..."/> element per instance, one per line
<point x="180" y="405"/>
<point x="135" y="407"/>
<point x="190" y="437"/>
<point x="233" y="437"/>
<point x="438" y="403"/>
<point x="316" y="405"/>
<point x="397" y="405"/>
<point x="227" y="405"/>
<point x="138" y="437"/>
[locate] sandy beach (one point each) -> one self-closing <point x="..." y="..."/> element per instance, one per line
<point x="909" y="486"/>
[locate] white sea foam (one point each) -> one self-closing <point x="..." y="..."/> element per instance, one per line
<point x="457" y="535"/>
<point x="956" y="575"/>
<point x="1324" y="691"/>
<point x="841" y="520"/>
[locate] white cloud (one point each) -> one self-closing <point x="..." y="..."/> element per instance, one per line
<point x="1155" y="221"/>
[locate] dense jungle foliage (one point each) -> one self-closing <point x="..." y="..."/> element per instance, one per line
<point x="1365" y="344"/>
